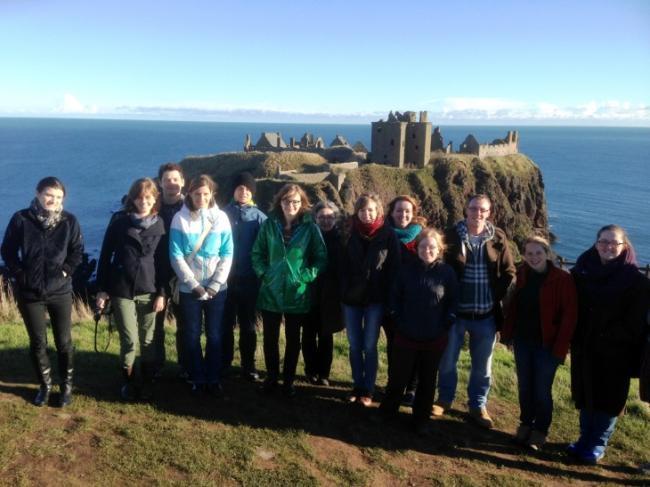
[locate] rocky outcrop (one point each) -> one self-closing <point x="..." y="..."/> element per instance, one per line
<point x="513" y="182"/>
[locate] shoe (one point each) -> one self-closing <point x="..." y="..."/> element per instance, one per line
<point x="591" y="456"/>
<point x="522" y="434"/>
<point x="127" y="391"/>
<point x="183" y="376"/>
<point x="323" y="381"/>
<point x="215" y="390"/>
<point x="574" y="449"/>
<point x="644" y="468"/>
<point x="352" y="397"/>
<point x="366" y="401"/>
<point x="251" y="376"/>
<point x="536" y="440"/>
<point x="312" y="379"/>
<point x="66" y="389"/>
<point x="481" y="417"/>
<point x="439" y="408"/>
<point x="269" y="386"/>
<point x="408" y="399"/>
<point x="288" y="390"/>
<point x="43" y="395"/>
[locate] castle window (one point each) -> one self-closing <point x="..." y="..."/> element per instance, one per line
<point x="378" y="130"/>
<point x="392" y="141"/>
<point x="414" y="135"/>
<point x="417" y="147"/>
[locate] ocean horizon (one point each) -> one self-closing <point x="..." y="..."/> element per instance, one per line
<point x="592" y="175"/>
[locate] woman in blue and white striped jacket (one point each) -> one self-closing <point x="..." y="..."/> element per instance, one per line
<point x="201" y="250"/>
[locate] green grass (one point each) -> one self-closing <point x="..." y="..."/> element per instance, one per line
<point x="249" y="439"/>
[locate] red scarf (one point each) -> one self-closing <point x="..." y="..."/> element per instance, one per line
<point x="367" y="230"/>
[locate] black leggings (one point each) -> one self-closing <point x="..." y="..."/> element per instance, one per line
<point x="271" y="324"/>
<point x="60" y="309"/>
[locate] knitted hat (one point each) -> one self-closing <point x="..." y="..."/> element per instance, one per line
<point x="245" y="179"/>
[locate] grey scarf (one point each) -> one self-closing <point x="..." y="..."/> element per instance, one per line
<point x="47" y="218"/>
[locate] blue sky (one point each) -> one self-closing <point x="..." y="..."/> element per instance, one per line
<point x="569" y="62"/>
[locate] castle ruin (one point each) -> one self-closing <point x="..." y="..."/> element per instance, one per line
<point x="403" y="139"/>
<point x="498" y="147"/>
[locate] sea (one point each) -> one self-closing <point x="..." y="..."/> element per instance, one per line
<point x="593" y="176"/>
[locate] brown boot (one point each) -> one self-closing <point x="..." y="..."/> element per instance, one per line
<point x="481" y="417"/>
<point x="439" y="408"/>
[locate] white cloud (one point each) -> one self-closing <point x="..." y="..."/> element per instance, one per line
<point x="72" y="105"/>
<point x="495" y="109"/>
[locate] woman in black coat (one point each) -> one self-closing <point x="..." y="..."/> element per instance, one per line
<point x="131" y="274"/>
<point x="42" y="247"/>
<point x="609" y="336"/>
<point x="325" y="317"/>
<point x="423" y="303"/>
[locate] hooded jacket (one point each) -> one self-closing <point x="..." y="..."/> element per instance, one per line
<point x="245" y="221"/>
<point x="38" y="257"/>
<point x="287" y="271"/>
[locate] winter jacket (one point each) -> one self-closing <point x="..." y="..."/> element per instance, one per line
<point x="558" y="309"/>
<point x="610" y="333"/>
<point x="131" y="260"/>
<point x="286" y="272"/>
<point x="369" y="267"/>
<point x="327" y="301"/>
<point x="423" y="300"/>
<point x="211" y="264"/>
<point x="501" y="265"/>
<point x="245" y="221"/>
<point x="37" y="258"/>
<point x="167" y="213"/>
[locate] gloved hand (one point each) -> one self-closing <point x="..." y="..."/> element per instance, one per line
<point x="198" y="291"/>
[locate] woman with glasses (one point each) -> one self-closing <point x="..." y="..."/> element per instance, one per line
<point x="325" y="317"/>
<point x="287" y="256"/>
<point x="609" y="336"/>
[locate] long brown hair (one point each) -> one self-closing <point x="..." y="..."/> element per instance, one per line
<point x="289" y="188"/>
<point x="420" y="220"/>
<point x="197" y="182"/>
<point x="139" y="188"/>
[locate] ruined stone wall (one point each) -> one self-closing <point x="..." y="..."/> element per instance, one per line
<point x="388" y="143"/>
<point x="417" y="148"/>
<point x="494" y="150"/>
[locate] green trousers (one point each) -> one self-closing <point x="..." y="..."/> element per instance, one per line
<point x="135" y="321"/>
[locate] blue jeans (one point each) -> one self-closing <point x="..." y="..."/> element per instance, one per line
<point x="536" y="367"/>
<point x="362" y="325"/>
<point x="596" y="428"/>
<point x="202" y="369"/>
<point x="482" y="336"/>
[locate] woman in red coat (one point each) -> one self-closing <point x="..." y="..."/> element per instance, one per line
<point x="540" y="322"/>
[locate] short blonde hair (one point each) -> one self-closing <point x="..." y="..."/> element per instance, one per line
<point x="430" y="232"/>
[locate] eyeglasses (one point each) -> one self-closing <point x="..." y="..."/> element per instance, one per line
<point x="292" y="202"/>
<point x="326" y="218"/>
<point x="609" y="243"/>
<point x="479" y="209"/>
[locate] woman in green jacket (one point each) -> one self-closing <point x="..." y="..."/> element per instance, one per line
<point x="287" y="256"/>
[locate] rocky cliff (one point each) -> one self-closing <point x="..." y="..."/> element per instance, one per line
<point x="513" y="182"/>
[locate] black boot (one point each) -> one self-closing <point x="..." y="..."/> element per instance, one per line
<point x="127" y="391"/>
<point x="66" y="389"/>
<point x="66" y="371"/>
<point x="43" y="396"/>
<point x="146" y="391"/>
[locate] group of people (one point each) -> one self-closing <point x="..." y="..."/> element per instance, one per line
<point x="171" y="249"/>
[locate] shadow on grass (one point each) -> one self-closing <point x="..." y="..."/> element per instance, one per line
<point x="317" y="411"/>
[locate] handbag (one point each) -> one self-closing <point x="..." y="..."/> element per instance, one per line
<point x="174" y="282"/>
